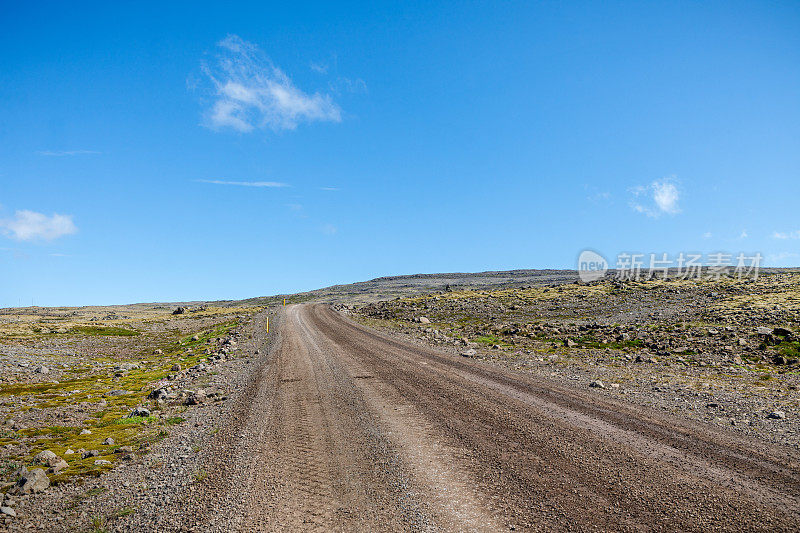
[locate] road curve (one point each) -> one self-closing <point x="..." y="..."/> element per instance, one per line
<point x="347" y="429"/>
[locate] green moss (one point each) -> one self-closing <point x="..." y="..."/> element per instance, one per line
<point x="105" y="331"/>
<point x="136" y="420"/>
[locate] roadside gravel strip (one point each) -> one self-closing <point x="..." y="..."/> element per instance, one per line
<point x="337" y="427"/>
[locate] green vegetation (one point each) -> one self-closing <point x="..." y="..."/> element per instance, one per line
<point x="104" y="330"/>
<point x="488" y="339"/>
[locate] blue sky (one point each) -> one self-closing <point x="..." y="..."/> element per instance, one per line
<point x="153" y="152"/>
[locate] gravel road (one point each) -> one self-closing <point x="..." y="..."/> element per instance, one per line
<point x="344" y="428"/>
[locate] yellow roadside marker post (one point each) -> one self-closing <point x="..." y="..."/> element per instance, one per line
<point x="267" y="324"/>
<point x="284" y="302"/>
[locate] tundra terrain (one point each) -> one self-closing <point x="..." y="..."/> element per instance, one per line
<point x="497" y="401"/>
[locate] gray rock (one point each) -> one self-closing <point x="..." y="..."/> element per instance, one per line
<point x="8" y="511"/>
<point x="469" y="353"/>
<point x="196" y="398"/>
<point x="108" y="442"/>
<point x="424" y="320"/>
<point x="139" y="411"/>
<point x="157" y="394"/>
<point x="597" y="384"/>
<point x="86" y="432"/>
<point x="42" y="370"/>
<point x="761" y="330"/>
<point x="102" y="462"/>
<point x="58" y="466"/>
<point x="777" y="415"/>
<point x="45" y="458"/>
<point x="34" y="481"/>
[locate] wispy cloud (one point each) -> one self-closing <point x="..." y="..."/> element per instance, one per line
<point x="743" y="234"/>
<point x="62" y="153"/>
<point x="319" y="68"/>
<point x="658" y="198"/>
<point x="250" y="92"/>
<point x="707" y="235"/>
<point x="782" y="259"/>
<point x="32" y="226"/>
<point x="246" y="183"/>
<point x="786" y="235"/>
<point x="329" y="188"/>
<point x="599" y="196"/>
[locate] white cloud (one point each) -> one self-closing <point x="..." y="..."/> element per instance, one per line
<point x="320" y="68"/>
<point x="30" y="226"/>
<point x="743" y="234"/>
<point x="707" y="235"/>
<point x="600" y="196"/>
<point x="246" y="183"/>
<point x="786" y="235"/>
<point x="61" y="153"/>
<point x="329" y="188"/>
<point x="251" y="92"/>
<point x="784" y="259"/>
<point x="658" y="198"/>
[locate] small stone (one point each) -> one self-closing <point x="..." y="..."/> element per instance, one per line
<point x="196" y="398"/>
<point x="139" y="411"/>
<point x="102" y="462"/>
<point x="69" y="452"/>
<point x="777" y="415"/>
<point x="58" y="466"/>
<point x="42" y="370"/>
<point x="124" y="449"/>
<point x="569" y="343"/>
<point x="45" y="457"/>
<point x="424" y="320"/>
<point x="597" y="384"/>
<point x="761" y="330"/>
<point x="108" y="442"/>
<point x="8" y="511"/>
<point x="469" y="353"/>
<point x="158" y="352"/>
<point x="195" y="337"/>
<point x="176" y="367"/>
<point x="90" y="453"/>
<point x="86" y="432"/>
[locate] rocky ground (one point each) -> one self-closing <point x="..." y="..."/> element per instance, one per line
<point x="722" y="351"/>
<point x="92" y="400"/>
<point x="110" y="415"/>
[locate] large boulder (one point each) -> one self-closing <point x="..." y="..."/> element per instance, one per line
<point x="34" y="481"/>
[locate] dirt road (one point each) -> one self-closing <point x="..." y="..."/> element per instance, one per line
<point x="345" y="429"/>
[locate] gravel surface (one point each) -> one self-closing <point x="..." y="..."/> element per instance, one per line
<point x="330" y="425"/>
